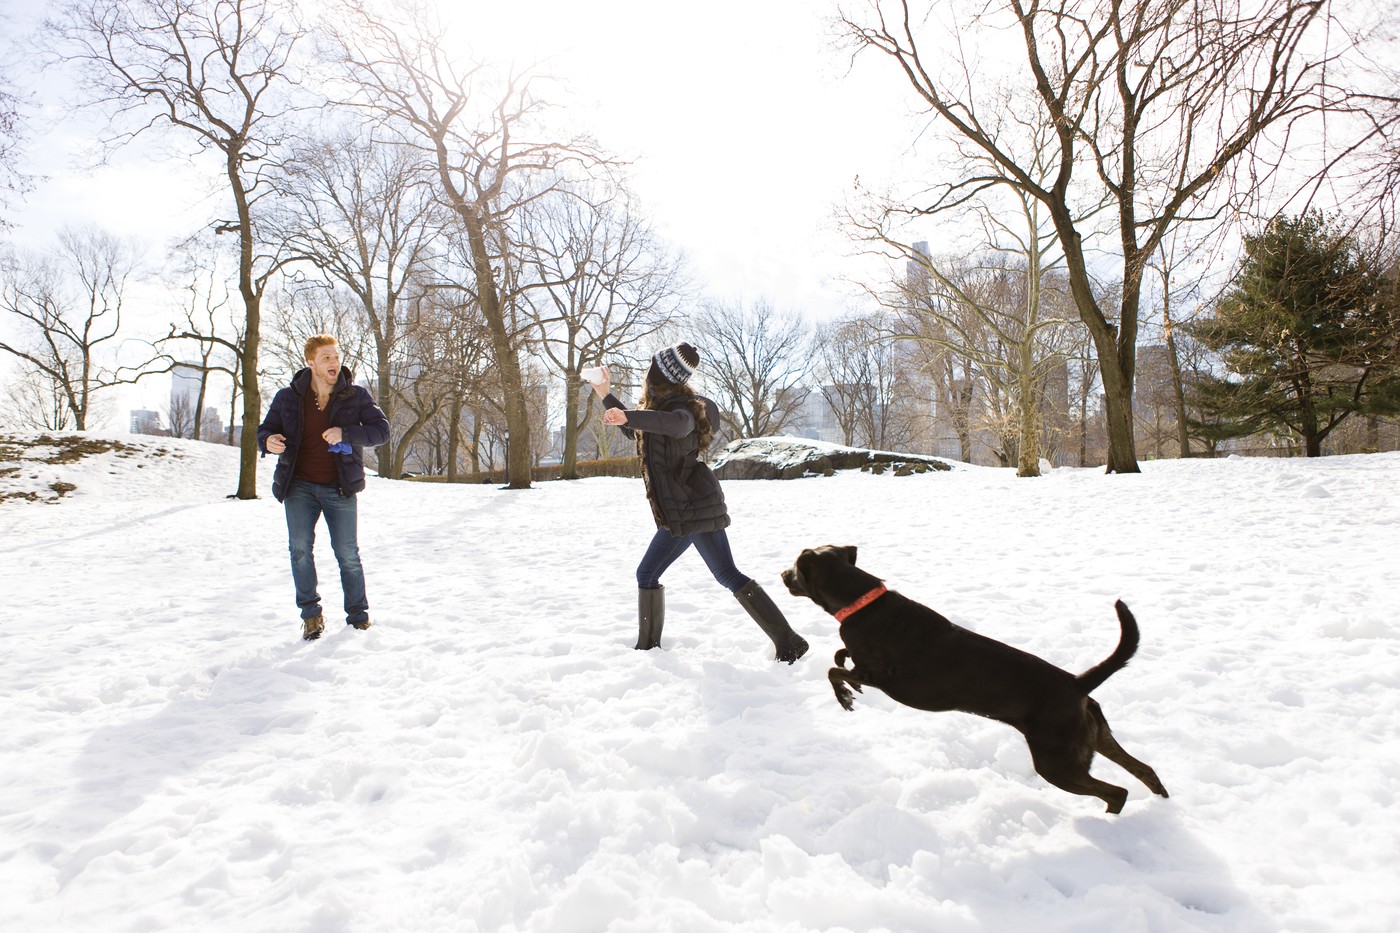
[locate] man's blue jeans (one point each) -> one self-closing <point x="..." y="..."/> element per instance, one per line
<point x="714" y="550"/>
<point x="305" y="503"/>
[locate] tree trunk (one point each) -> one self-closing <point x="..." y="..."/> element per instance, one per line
<point x="1118" y="412"/>
<point x="572" y="388"/>
<point x="384" y="453"/>
<point x="1115" y="351"/>
<point x="1307" y="417"/>
<point x="79" y="403"/>
<point x="962" y="419"/>
<point x="252" y="304"/>
<point x="1028" y="453"/>
<point x="476" y="443"/>
<point x="232" y="408"/>
<point x="1083" y="428"/>
<point x="420" y="422"/>
<point x="1028" y="457"/>
<point x="454" y="437"/>
<point x="199" y="403"/>
<point x="507" y="360"/>
<point x="1179" y="396"/>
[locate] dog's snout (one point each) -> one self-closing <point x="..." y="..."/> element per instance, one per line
<point x="792" y="579"/>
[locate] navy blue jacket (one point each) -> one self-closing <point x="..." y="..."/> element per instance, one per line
<point x="352" y="409"/>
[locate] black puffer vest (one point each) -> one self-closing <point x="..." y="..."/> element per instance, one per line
<point x="685" y="496"/>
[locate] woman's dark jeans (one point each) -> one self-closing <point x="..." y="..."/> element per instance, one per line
<point x="666" y="547"/>
<point x="305" y="503"/>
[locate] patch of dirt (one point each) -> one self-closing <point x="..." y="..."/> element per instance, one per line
<point x="65" y="449"/>
<point x="46" y="448"/>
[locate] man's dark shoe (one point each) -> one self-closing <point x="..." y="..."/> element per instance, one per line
<point x="312" y="628"/>
<point x="359" y="625"/>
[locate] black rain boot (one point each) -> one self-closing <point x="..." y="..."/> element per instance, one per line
<point x="788" y="645"/>
<point x="651" y="615"/>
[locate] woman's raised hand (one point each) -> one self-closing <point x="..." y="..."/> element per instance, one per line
<point x="599" y="378"/>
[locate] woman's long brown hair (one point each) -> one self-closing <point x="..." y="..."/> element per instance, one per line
<point x="657" y="392"/>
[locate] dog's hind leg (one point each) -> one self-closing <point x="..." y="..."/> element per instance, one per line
<point x="1068" y="769"/>
<point x="1106" y="745"/>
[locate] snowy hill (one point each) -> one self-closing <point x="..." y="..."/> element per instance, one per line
<point x="494" y="756"/>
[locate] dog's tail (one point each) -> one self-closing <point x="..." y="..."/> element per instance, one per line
<point x="1115" y="662"/>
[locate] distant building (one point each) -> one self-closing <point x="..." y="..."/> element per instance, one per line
<point x="212" y="426"/>
<point x="816" y="419"/>
<point x="144" y="421"/>
<point x="916" y="277"/>
<point x="185" y="380"/>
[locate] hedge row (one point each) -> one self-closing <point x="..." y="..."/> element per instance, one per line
<point x="616" y="466"/>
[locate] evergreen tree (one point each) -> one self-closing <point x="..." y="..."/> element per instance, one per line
<point x="1306" y="334"/>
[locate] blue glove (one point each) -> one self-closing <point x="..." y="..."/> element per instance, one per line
<point x="340" y="447"/>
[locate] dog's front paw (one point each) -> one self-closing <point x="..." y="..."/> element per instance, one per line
<point x="841" y="657"/>
<point x="842" y="689"/>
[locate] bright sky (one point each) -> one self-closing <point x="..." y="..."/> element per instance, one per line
<point x="745" y="126"/>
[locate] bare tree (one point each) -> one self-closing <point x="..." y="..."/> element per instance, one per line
<point x="1144" y="103"/>
<point x="69" y="308"/>
<point x="472" y="387"/>
<point x="212" y="72"/>
<point x="952" y="386"/>
<point x="1083" y="392"/>
<point x="446" y="374"/>
<point x="1175" y="289"/>
<point x="757" y="360"/>
<point x="867" y="381"/>
<point x="999" y="314"/>
<point x="359" y="211"/>
<point x="844" y="372"/>
<point x="301" y="307"/>
<point x="479" y="132"/>
<point x="180" y="416"/>
<point x="609" y="283"/>
<point x="13" y="181"/>
<point x="207" y="328"/>
<point x="419" y="399"/>
<point x="36" y="401"/>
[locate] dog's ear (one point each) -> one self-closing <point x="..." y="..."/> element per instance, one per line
<point x="849" y="552"/>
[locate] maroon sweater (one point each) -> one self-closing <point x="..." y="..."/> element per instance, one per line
<point x="314" y="461"/>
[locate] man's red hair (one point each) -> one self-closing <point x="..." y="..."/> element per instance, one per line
<point x="317" y="342"/>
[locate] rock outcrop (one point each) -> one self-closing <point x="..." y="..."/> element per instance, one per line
<point x="792" y="457"/>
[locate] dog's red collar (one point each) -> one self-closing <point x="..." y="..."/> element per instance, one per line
<point x="861" y="603"/>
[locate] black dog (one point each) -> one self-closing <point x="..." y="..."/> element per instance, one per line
<point x="922" y="660"/>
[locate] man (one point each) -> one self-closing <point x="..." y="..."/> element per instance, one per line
<point x="319" y="426"/>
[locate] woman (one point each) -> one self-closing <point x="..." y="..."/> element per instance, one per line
<point x="673" y="426"/>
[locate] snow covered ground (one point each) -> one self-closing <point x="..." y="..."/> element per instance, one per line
<point x="494" y="756"/>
